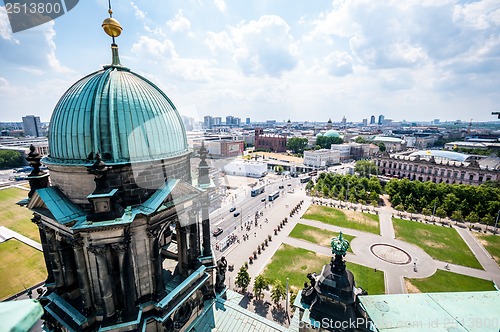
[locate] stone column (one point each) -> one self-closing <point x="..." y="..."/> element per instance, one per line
<point x="68" y="262"/>
<point x="45" y="247"/>
<point x="121" y="250"/>
<point x="159" y="289"/>
<point x="81" y="274"/>
<point x="194" y="236"/>
<point x="105" y="282"/>
<point x="55" y="260"/>
<point x="207" y="251"/>
<point x="182" y="249"/>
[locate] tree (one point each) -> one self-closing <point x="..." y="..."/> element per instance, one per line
<point x="457" y="216"/>
<point x="278" y="169"/>
<point x="10" y="158"/>
<point x="310" y="185"/>
<point x="365" y="168"/>
<point x="243" y="279"/>
<point x="325" y="142"/>
<point x="426" y="211"/>
<point x="440" y="212"/>
<point x="297" y="144"/>
<point x="259" y="285"/>
<point x="411" y="210"/>
<point x="488" y="220"/>
<point x="381" y="147"/>
<point x="360" y="140"/>
<point x="472" y="217"/>
<point x="399" y="207"/>
<point x="278" y="292"/>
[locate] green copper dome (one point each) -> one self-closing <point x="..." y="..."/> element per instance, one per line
<point x="119" y="114"/>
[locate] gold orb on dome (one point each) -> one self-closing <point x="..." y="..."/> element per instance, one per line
<point x="112" y="27"/>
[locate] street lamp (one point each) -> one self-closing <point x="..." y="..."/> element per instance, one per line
<point x="496" y="223"/>
<point x="434" y="211"/>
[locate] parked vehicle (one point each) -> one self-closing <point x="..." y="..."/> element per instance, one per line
<point x="218" y="231"/>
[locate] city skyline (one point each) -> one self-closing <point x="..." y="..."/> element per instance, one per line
<point x="308" y="62"/>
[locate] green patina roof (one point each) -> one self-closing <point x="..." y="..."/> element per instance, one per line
<point x="457" y="311"/>
<point x="119" y="114"/>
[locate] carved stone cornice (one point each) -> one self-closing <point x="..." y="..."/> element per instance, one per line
<point x="153" y="232"/>
<point x="37" y="220"/>
<point x="97" y="249"/>
<point x="76" y="243"/>
<point x="120" y="246"/>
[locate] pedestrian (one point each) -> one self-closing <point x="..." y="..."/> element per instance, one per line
<point x="255" y="234"/>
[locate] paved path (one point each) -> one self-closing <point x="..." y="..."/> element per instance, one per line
<point x="394" y="274"/>
<point x="7" y="234"/>
<point x="484" y="258"/>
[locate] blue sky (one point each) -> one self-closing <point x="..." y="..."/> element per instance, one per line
<point x="272" y="59"/>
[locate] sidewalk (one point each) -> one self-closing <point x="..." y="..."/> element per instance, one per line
<point x="7" y="234"/>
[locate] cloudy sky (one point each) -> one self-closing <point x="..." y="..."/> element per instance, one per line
<point x="272" y="59"/>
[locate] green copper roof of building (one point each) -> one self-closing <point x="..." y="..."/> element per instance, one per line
<point x="119" y="114"/>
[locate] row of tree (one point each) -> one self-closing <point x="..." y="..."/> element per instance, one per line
<point x="261" y="283"/>
<point x="299" y="144"/>
<point x="458" y="201"/>
<point x="10" y="158"/>
<point x="353" y="188"/>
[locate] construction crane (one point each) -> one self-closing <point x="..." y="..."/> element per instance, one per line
<point x="496" y="113"/>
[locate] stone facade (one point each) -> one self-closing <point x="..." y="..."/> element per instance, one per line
<point x="274" y="143"/>
<point x="134" y="182"/>
<point x="415" y="168"/>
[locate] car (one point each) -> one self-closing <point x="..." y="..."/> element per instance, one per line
<point x="281" y="187"/>
<point x="236" y="214"/>
<point x="232" y="209"/>
<point x="263" y="199"/>
<point x="218" y="231"/>
<point x="289" y="184"/>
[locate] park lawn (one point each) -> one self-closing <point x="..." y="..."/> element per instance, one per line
<point x="15" y="217"/>
<point x="441" y="243"/>
<point x="445" y="281"/>
<point x="316" y="235"/>
<point x="344" y="218"/>
<point x="295" y="263"/>
<point x="21" y="266"/>
<point x="490" y="243"/>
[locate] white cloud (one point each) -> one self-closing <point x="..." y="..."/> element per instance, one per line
<point x="338" y="63"/>
<point x="148" y="47"/>
<point x="221" y="5"/>
<point x="218" y="41"/>
<point x="179" y="22"/>
<point x="264" y="46"/>
<point x="5" y="30"/>
<point x="139" y="14"/>
<point x="478" y="15"/>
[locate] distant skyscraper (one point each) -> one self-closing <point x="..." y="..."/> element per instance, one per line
<point x="247" y="121"/>
<point x="365" y="122"/>
<point x="32" y="126"/>
<point x="229" y="120"/>
<point x="344" y="121"/>
<point x="208" y="122"/>
<point x="372" y="119"/>
<point x="380" y="120"/>
<point x="217" y="121"/>
<point x="436" y="121"/>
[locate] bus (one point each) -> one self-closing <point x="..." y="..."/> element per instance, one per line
<point x="273" y="196"/>
<point x="258" y="190"/>
<point x="305" y="179"/>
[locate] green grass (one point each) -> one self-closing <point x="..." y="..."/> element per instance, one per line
<point x="444" y="281"/>
<point x="349" y="219"/>
<point x="295" y="263"/>
<point x="490" y="243"/>
<point x="441" y="243"/>
<point x="13" y="216"/>
<point x="21" y="266"/>
<point x="316" y="235"/>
